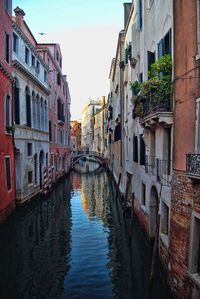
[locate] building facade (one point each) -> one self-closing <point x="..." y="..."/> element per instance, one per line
<point x="75" y="135"/>
<point x="30" y="94"/>
<point x="185" y="201"/>
<point x="59" y="110"/>
<point x="7" y="177"/>
<point x="87" y="125"/>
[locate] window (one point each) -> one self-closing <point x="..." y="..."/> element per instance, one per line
<point x="35" y="167"/>
<point x="15" y="43"/>
<point x="66" y="139"/>
<point x="52" y="159"/>
<point x="55" y="103"/>
<point x="8" y="6"/>
<point x="7" y="114"/>
<point x="140" y="78"/>
<point x="143" y="194"/>
<point x="60" y="111"/>
<point x="164" y="45"/>
<point x="150" y="59"/>
<point x="63" y="136"/>
<point x="54" y="75"/>
<point x="139" y="14"/>
<point x="16" y="103"/>
<point x="37" y="67"/>
<point x="60" y="62"/>
<point x="45" y="76"/>
<point x="49" y="100"/>
<point x="58" y="79"/>
<point x="135" y="149"/>
<point x="28" y="108"/>
<point x="55" y="134"/>
<point x="49" y="130"/>
<point x="194" y="252"/>
<point x="59" y="137"/>
<point x="26" y="55"/>
<point x="164" y="219"/>
<point x="56" y="164"/>
<point x="117" y="132"/>
<point x="29" y="149"/>
<point x="33" y="60"/>
<point x="30" y="177"/>
<point x="57" y="55"/>
<point x="7" y="47"/>
<point x="142" y="151"/>
<point x="48" y="62"/>
<point x="8" y="173"/>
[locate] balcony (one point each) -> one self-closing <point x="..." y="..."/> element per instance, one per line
<point x="154" y="112"/>
<point x="193" y="165"/>
<point x="159" y="168"/>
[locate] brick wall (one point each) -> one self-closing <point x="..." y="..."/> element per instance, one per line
<point x="185" y="199"/>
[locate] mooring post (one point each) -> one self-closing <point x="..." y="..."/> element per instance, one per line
<point x="119" y="179"/>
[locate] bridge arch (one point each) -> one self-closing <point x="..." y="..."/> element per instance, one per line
<point x="100" y="159"/>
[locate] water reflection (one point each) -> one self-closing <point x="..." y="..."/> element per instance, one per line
<point x="35" y="248"/>
<point x="75" y="244"/>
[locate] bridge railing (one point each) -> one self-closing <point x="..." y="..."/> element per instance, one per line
<point x="77" y="153"/>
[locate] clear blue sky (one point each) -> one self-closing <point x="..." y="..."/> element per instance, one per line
<point x="87" y="31"/>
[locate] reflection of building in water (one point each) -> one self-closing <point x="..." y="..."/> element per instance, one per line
<point x="93" y="194"/>
<point x="41" y="248"/>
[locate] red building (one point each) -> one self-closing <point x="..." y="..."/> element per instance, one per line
<point x="75" y="135"/>
<point x="184" y="267"/>
<point x="59" y="110"/>
<point x="7" y="189"/>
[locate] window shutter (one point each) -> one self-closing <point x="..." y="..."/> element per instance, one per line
<point x="139" y="14"/>
<point x="134" y="43"/>
<point x="28" y="110"/>
<point x="8" y="174"/>
<point x="7" y="111"/>
<point x="160" y="48"/>
<point x="135" y="149"/>
<point x="16" y="105"/>
<point x="142" y="151"/>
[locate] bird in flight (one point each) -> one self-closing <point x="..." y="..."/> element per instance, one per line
<point x="42" y="33"/>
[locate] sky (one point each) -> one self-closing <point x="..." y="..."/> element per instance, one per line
<point x="87" y="31"/>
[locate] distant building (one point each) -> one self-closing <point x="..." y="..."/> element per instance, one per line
<point x="75" y="135"/>
<point x="100" y="129"/>
<point x="7" y="178"/>
<point x="87" y="113"/>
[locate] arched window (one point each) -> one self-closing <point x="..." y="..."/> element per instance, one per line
<point x="28" y="107"/>
<point x="45" y="116"/>
<point x="38" y="111"/>
<point x="16" y="102"/>
<point x="42" y="113"/>
<point x="34" y="110"/>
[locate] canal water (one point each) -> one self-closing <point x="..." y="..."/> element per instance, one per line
<point x="75" y="244"/>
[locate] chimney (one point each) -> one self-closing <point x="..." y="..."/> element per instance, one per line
<point x="103" y="101"/>
<point x="19" y="16"/>
<point x="127" y="10"/>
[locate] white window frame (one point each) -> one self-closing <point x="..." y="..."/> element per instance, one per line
<point x="16" y="38"/>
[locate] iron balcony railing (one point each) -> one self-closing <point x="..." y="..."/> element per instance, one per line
<point x="159" y="168"/>
<point x="193" y="164"/>
<point x="151" y="106"/>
